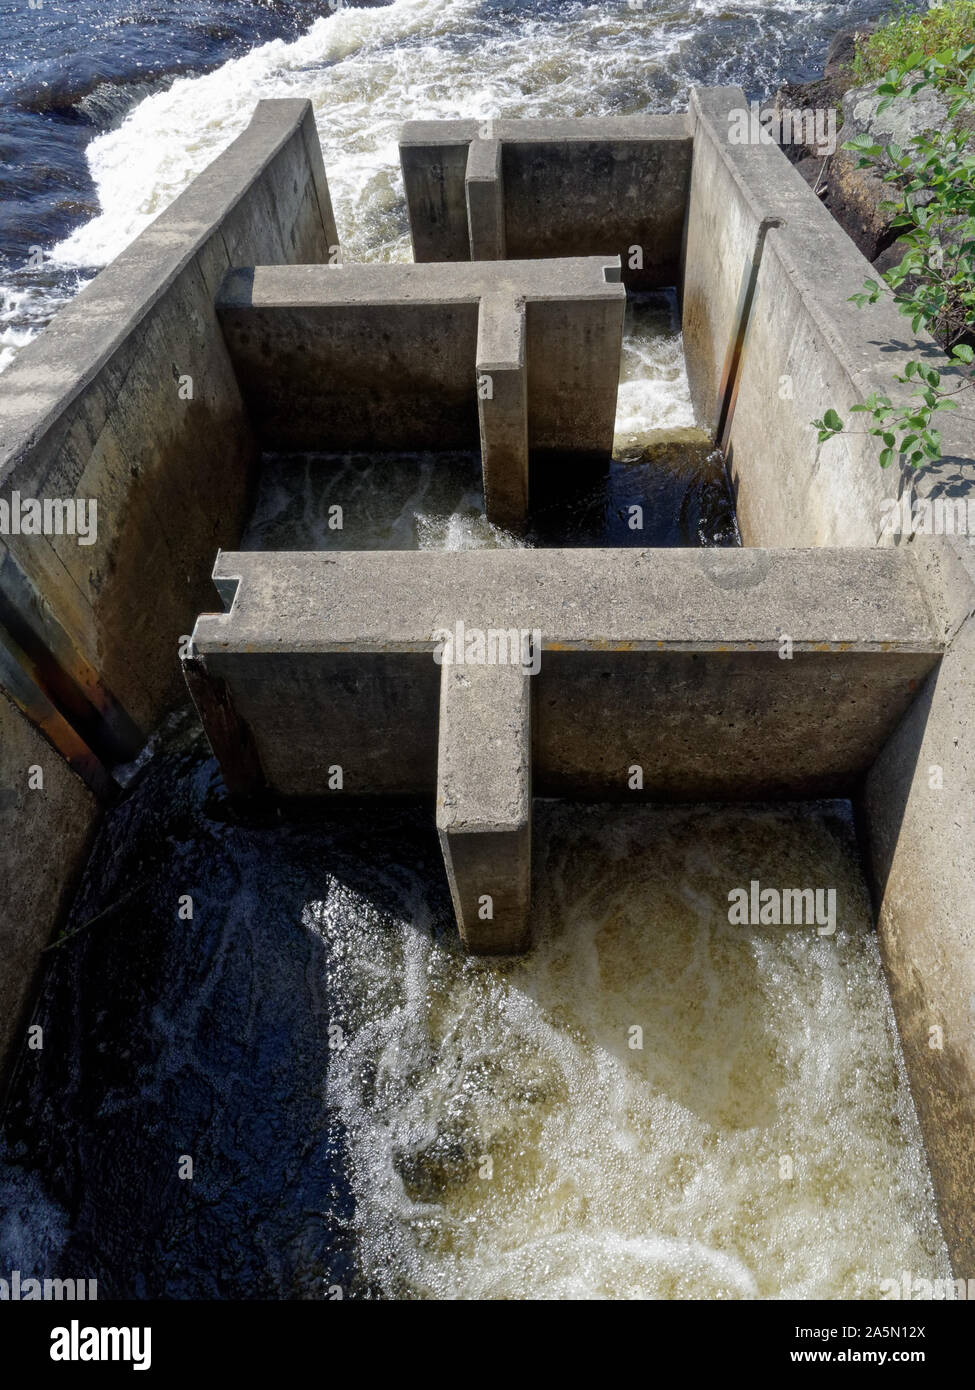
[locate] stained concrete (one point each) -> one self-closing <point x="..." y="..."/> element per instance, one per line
<point x="383" y="356"/>
<point x="919" y="814"/>
<point x="93" y="409"/>
<point x="99" y="407"/>
<point x="564" y="188"/>
<point x="666" y="659"/>
<point x="772" y="340"/>
<point x="44" y="835"/>
<point x="764" y="360"/>
<point x="484" y="803"/>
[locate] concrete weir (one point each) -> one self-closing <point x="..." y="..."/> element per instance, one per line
<point x="830" y="657"/>
<point x="540" y="188"/>
<point x="519" y="359"/>
<point x="472" y="675"/>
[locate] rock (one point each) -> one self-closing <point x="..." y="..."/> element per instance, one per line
<point x="842" y="50"/>
<point x="856" y="195"/>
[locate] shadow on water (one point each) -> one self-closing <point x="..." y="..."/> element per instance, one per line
<point x="316" y="1041"/>
<point x="206" y="1037"/>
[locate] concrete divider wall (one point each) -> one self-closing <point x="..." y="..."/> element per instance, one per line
<point x="130" y="399"/>
<point x="321" y="373"/>
<point x="667" y="659"/>
<point x="433" y="159"/>
<point x="386" y="356"/>
<point x="651" y="673"/>
<point x="520" y="358"/>
<point x="47" y="816"/>
<point x="563" y="188"/>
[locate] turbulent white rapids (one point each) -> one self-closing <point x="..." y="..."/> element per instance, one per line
<point x="366" y="71"/>
<point x="509" y="1142"/>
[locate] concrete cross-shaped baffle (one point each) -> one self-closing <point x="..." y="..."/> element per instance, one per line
<point x="488" y="190"/>
<point x="482" y="677"/>
<point x="520" y="358"/>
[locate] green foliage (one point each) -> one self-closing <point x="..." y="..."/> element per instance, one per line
<point x="948" y="26"/>
<point x="933" y="183"/>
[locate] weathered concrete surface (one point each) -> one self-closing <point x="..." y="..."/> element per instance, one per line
<point x="664" y="659"/>
<point x="771" y="341"/>
<point x="917" y="814"/>
<point x="44" y="835"/>
<point x="802" y="347"/>
<point x="389" y="357"/>
<point x="434" y="165"/>
<point x="129" y="398"/>
<point x="502" y="405"/>
<point x="484" y="190"/>
<point x="484" y="803"/>
<point x="567" y="187"/>
<point x="826" y="352"/>
<point x="25" y="684"/>
<point x="731" y="206"/>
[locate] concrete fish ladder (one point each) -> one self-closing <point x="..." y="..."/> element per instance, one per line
<point x="819" y="661"/>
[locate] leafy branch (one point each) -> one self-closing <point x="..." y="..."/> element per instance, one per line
<point x="934" y="283"/>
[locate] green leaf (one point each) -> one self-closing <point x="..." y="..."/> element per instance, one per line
<point x="832" y="421"/>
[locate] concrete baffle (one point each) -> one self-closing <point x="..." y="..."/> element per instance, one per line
<point x="530" y="189"/>
<point x="484" y="803"/>
<point x="483" y="190"/>
<point x="502" y="406"/>
<point x="392" y="357"/>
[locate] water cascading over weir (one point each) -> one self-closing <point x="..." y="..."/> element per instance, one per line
<point x="827" y="657"/>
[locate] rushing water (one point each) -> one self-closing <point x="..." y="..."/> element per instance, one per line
<point x="365" y="1107"/>
<point x="662" y="465"/>
<point x="99" y="131"/>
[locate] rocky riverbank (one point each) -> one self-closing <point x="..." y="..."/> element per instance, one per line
<point x="855" y="196"/>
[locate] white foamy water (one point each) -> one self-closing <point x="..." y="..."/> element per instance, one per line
<point x="654" y="393"/>
<point x="508" y="1142"/>
<point x="23" y="313"/>
<point x="388" y="502"/>
<point x="366" y="71"/>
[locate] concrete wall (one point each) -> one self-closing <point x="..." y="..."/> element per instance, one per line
<point x="731" y="204"/>
<point x="44" y="835"/>
<point x="484" y="803"/>
<point x="667" y="659"/>
<point x="385" y="356"/>
<point x="771" y="341"/>
<point x="98" y="408"/>
<point x="565" y="188"/>
<point x="919" y="828"/>
<point x="94" y="409"/>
